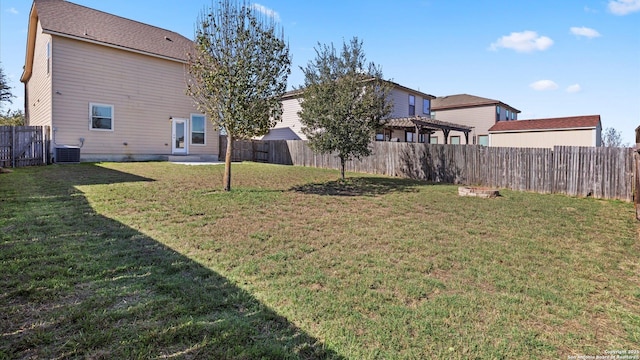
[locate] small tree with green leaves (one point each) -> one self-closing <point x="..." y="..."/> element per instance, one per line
<point x="5" y="89"/>
<point x="238" y="72"/>
<point x="345" y="100"/>
<point x="12" y="118"/>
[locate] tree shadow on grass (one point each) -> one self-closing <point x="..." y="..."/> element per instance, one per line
<point x="78" y="284"/>
<point x="360" y="186"/>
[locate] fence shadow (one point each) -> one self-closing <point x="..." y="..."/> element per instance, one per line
<point x="359" y="186"/>
<point x="78" y="284"/>
<point x="418" y="161"/>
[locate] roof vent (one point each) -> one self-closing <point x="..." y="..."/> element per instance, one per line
<point x="167" y="38"/>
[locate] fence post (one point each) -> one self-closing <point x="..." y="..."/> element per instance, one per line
<point x="636" y="174"/>
<point x="13" y="146"/>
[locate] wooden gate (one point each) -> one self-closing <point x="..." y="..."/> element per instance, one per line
<point x="24" y="145"/>
<point x="246" y="150"/>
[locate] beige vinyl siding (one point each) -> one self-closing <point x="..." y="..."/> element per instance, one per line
<point x="544" y="139"/>
<point x="401" y="103"/>
<point x="39" y="85"/>
<point x="290" y="128"/>
<point x="145" y="92"/>
<point x="481" y="118"/>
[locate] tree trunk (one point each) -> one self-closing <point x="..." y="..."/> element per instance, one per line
<point x="226" y="182"/>
<point x="342" y="164"/>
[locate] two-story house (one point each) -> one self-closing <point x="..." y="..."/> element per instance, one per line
<point x="474" y="111"/>
<point x="110" y="86"/>
<point x="409" y="121"/>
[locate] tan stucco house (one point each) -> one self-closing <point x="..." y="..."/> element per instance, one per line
<point x="411" y="115"/>
<point x="111" y="86"/>
<point x="474" y="111"/>
<point x="547" y="133"/>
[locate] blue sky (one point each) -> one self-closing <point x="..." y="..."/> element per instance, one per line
<point x="547" y="58"/>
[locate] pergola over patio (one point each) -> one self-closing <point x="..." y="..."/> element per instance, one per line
<point x="427" y="125"/>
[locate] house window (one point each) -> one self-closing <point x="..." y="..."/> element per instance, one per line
<point x="497" y="113"/>
<point x="408" y="136"/>
<point x="433" y="140"/>
<point x="426" y="106"/>
<point x="198" y="129"/>
<point x="412" y="105"/>
<point x="454" y="140"/>
<point x="411" y="137"/>
<point x="483" y="140"/>
<point x="383" y="135"/>
<point x="514" y="116"/>
<point x="100" y="117"/>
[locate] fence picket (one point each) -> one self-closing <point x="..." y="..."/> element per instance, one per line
<point x="577" y="171"/>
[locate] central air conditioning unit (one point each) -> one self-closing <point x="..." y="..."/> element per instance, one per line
<point x="67" y="155"/>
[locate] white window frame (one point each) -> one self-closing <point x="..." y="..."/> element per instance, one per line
<point x="191" y="129"/>
<point x="113" y="122"/>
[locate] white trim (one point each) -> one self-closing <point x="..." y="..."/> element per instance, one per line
<point x="113" y="122"/>
<point x="541" y="130"/>
<point x="112" y="46"/>
<point x="191" y="129"/>
<point x="186" y="137"/>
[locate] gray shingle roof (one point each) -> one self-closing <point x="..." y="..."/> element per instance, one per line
<point x="464" y="101"/>
<point x="64" y="18"/>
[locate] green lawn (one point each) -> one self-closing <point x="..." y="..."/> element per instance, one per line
<point x="152" y="260"/>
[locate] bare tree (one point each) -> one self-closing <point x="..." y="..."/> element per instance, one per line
<point x="238" y="72"/>
<point x="611" y="138"/>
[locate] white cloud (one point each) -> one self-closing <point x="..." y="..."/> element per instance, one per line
<point x="573" y="88"/>
<point x="526" y="41"/>
<point x="12" y="10"/>
<point x="266" y="11"/>
<point x="590" y="10"/>
<point x="624" y="7"/>
<point x="585" y="31"/>
<point x="542" y="85"/>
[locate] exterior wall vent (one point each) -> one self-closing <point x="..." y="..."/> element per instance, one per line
<point x="67" y="155"/>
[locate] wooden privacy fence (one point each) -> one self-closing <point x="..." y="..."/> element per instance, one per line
<point x="606" y="173"/>
<point x="23" y="145"/>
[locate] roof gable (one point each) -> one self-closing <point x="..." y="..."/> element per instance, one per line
<point x="465" y="101"/>
<point x="571" y="122"/>
<point x="63" y="18"/>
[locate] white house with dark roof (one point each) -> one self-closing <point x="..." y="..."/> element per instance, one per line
<point x="477" y="112"/>
<point x="547" y="133"/>
<point x="111" y="86"/>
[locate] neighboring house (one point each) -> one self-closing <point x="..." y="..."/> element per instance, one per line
<point x="474" y="111"/>
<point x="547" y="133"/>
<point x="411" y="115"/>
<point x="290" y="127"/>
<point x="112" y="86"/>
